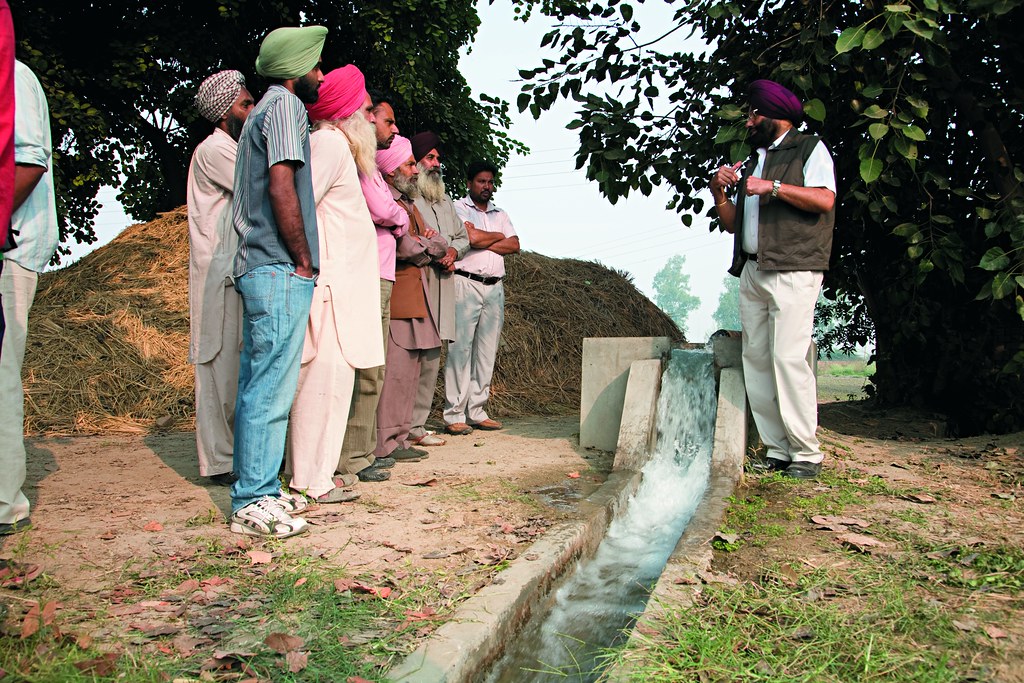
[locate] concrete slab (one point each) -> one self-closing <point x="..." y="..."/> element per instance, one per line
<point x="639" y="416"/>
<point x="606" y="362"/>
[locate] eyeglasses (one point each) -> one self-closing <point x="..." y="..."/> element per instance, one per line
<point x="752" y="114"/>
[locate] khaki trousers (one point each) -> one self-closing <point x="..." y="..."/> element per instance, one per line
<point x="777" y="314"/>
<point x="18" y="290"/>
<point x="479" y="317"/>
<point x="430" y="366"/>
<point x="361" y="429"/>
<point x="216" y="391"/>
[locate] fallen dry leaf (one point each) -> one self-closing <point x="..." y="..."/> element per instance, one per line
<point x="108" y="535"/>
<point x="297" y="661"/>
<point x="259" y="556"/>
<point x="573" y="475"/>
<point x="30" y="624"/>
<point x="300" y="582"/>
<point x="431" y="481"/>
<point x="965" y="624"/>
<point x="282" y="642"/>
<point x="860" y="542"/>
<point x="100" y="667"/>
<point x="922" y="498"/>
<point x="356" y="679"/>
<point x="994" y="631"/>
<point x="831" y="520"/>
<point x="153" y="526"/>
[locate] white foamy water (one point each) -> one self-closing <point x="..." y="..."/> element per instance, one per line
<point x="608" y="591"/>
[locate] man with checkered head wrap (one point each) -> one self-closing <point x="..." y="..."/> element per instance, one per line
<point x="780" y="205"/>
<point x="215" y="309"/>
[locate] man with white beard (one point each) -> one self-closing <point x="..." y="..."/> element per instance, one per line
<point x="438" y="213"/>
<point x="342" y="334"/>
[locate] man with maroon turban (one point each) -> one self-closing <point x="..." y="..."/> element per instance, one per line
<point x="780" y="205"/>
<point x="413" y="329"/>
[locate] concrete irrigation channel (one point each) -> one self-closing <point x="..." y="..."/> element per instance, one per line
<point x="517" y="628"/>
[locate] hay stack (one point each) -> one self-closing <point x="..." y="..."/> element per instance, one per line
<point x="108" y="336"/>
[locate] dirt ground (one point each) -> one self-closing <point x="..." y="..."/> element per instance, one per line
<point x="98" y="502"/>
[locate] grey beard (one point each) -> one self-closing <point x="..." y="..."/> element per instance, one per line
<point x="405" y="184"/>
<point x="431" y="184"/>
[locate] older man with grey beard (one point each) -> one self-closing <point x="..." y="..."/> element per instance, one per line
<point x="438" y="213"/>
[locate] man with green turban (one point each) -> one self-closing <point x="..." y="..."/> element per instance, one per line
<point x="274" y="214"/>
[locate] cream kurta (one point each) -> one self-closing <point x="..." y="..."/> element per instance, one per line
<point x="214" y="305"/>
<point x="344" y="320"/>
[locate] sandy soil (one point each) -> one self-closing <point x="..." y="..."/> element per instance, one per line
<point x="98" y="502"/>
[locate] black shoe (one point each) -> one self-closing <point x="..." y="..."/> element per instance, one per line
<point x="767" y="465"/>
<point x="372" y="473"/>
<point x="8" y="528"/>
<point x="383" y="463"/>
<point x="223" y="479"/>
<point x="802" y="470"/>
<point x="409" y="454"/>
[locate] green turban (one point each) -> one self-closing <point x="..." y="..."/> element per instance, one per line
<point x="290" y="52"/>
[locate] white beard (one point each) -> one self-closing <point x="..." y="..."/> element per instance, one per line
<point x="404" y="184"/>
<point x="431" y="184"/>
<point x="363" y="138"/>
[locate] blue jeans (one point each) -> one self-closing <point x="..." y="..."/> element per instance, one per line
<point x="275" y="305"/>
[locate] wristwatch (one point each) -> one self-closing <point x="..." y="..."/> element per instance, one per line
<point x="775" y="188"/>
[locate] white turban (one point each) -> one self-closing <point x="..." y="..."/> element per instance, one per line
<point x="217" y="93"/>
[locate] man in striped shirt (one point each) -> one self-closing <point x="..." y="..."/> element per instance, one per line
<point x="277" y="260"/>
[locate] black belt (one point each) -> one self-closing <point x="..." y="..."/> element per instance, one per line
<point x="479" y="278"/>
<point x="750" y="257"/>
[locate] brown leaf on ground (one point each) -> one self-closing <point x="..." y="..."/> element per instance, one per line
<point x="356" y="679"/>
<point x="185" y="587"/>
<point x="282" y="642"/>
<point x="297" y="661"/>
<point x="994" y="631"/>
<point x="395" y="546"/>
<point x="965" y="624"/>
<point x="154" y="630"/>
<point x="109" y="535"/>
<point x="100" y="667"/>
<point x="431" y="481"/>
<point x="300" y="582"/>
<point x="186" y="645"/>
<point x="922" y="498"/>
<point x="153" y="526"/>
<point x="30" y="624"/>
<point x="49" y="612"/>
<point x="573" y="475"/>
<point x="860" y="542"/>
<point x="259" y="556"/>
<point x="839" y="520"/>
<point x="713" y="577"/>
<point x="83" y="641"/>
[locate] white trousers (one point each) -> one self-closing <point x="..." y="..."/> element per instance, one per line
<point x="316" y="430"/>
<point x="216" y="390"/>
<point x="777" y="313"/>
<point x="479" y="316"/>
<point x="18" y="289"/>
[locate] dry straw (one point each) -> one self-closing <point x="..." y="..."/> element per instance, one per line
<point x="108" y="336"/>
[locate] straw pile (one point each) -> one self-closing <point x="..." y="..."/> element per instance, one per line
<point x="108" y="336"/>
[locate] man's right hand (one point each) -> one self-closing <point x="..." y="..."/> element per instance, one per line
<point x="724" y="179"/>
<point x="305" y="271"/>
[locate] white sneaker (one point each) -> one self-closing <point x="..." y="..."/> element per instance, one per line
<point x="292" y="502"/>
<point x="267" y="517"/>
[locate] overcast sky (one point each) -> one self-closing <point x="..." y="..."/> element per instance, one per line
<point x="554" y="209"/>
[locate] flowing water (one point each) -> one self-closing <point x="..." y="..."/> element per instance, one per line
<point x="595" y="606"/>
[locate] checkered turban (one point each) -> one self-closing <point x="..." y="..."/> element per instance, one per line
<point x="217" y="93"/>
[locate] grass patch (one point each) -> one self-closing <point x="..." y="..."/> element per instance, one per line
<point x="854" y="368"/>
<point x="227" y="599"/>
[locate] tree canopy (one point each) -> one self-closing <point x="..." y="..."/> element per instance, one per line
<point x="921" y="104"/>
<point x="672" y="291"/>
<point x="120" y="77"/>
<point x="727" y="315"/>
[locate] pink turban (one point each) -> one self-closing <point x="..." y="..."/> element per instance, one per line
<point x="775" y="101"/>
<point x="394" y="156"/>
<point x="341" y="94"/>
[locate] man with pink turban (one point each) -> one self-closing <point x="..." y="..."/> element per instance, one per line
<point x="215" y="309"/>
<point x="781" y="208"/>
<point x="413" y="329"/>
<point x="341" y="334"/>
<point x="391" y="222"/>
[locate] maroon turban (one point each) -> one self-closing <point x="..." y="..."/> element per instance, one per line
<point x="342" y="93"/>
<point x="394" y="156"/>
<point x="775" y="101"/>
<point x="422" y="143"/>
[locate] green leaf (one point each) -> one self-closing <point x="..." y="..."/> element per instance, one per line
<point x="875" y="112"/>
<point x="925" y="266"/>
<point x="905" y="229"/>
<point x="878" y="130"/>
<point x="992" y="229"/>
<point x="726" y="134"/>
<point x="815" y="109"/>
<point x="872" y="91"/>
<point x="1002" y="285"/>
<point x="898" y="9"/>
<point x="985" y="292"/>
<point x="920" y="28"/>
<point x="914" y="251"/>
<point x="1019" y="279"/>
<point x="915" y="133"/>
<point x="870" y="169"/>
<point x="994" y="259"/>
<point x="873" y="39"/>
<point x="849" y="39"/>
<point x="984" y="213"/>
